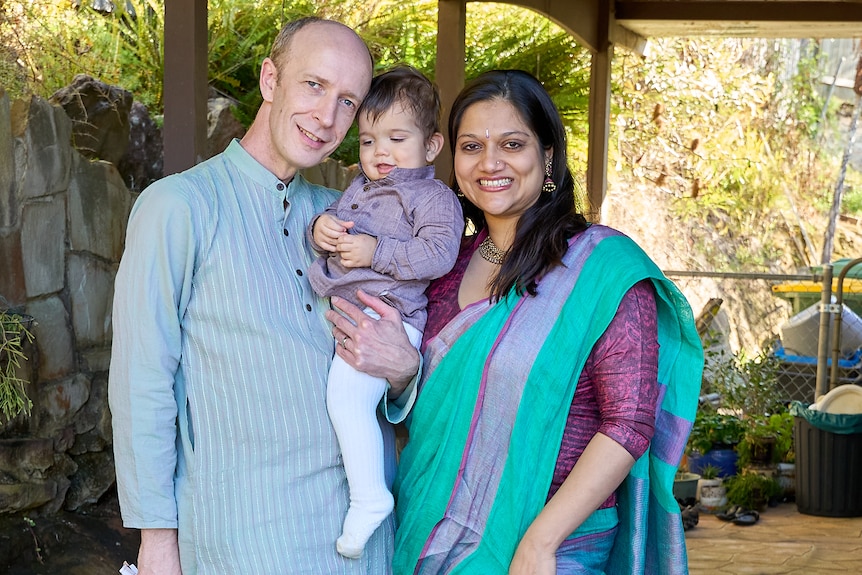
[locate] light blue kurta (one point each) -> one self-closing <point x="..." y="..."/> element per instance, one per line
<point x="218" y="376"/>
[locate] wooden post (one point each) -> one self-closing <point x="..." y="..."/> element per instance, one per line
<point x="449" y="72"/>
<point x="185" y="84"/>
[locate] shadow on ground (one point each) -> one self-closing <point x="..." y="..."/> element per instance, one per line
<point x="92" y="541"/>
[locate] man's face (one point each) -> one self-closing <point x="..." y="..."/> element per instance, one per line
<point x="315" y="94"/>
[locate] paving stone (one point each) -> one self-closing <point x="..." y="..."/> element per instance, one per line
<point x="783" y="542"/>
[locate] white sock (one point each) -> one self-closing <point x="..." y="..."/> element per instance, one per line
<point x="352" y="399"/>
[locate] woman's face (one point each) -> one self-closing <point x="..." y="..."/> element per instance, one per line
<point x="499" y="162"/>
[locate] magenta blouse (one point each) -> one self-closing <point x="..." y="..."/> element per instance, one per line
<point x="617" y="391"/>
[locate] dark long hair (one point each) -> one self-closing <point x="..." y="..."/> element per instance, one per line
<point x="543" y="231"/>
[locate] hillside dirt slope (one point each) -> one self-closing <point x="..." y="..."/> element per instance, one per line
<point x="751" y="314"/>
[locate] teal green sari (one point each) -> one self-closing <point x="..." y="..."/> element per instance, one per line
<point x="486" y="429"/>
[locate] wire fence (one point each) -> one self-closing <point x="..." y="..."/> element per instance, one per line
<point x="779" y="316"/>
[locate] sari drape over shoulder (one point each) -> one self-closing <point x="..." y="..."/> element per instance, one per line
<point x="487" y="428"/>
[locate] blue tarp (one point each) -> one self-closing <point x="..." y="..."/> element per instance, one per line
<point x="854" y="360"/>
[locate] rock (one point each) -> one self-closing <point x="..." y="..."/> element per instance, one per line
<point x="100" y="117"/>
<point x="94" y="477"/>
<point x="222" y="125"/>
<point x="25" y="459"/>
<point x="22" y="496"/>
<point x="142" y="164"/>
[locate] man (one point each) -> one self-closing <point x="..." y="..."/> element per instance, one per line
<point x="225" y="456"/>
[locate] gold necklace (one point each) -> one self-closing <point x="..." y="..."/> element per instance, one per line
<point x="490" y="252"/>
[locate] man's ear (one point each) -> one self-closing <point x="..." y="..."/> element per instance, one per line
<point x="433" y="147"/>
<point x="268" y="79"/>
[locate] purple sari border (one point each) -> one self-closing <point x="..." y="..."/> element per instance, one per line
<point x="671" y="435"/>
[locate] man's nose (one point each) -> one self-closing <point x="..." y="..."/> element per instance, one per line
<point x="326" y="111"/>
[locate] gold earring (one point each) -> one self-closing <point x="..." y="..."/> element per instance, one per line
<point x="548" y="186"/>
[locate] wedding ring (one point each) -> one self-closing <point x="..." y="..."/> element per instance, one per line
<point x="344" y="342"/>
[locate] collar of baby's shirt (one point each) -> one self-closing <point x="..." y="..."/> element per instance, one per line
<point x="401" y="175"/>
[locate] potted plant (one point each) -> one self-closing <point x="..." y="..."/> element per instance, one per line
<point x="757" y="448"/>
<point x="685" y="487"/>
<point x="785" y="454"/>
<point x="711" y="491"/>
<point x="14" y="331"/>
<point x="713" y="439"/>
<point x="750" y="490"/>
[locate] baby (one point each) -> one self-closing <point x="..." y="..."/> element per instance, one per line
<point x="393" y="230"/>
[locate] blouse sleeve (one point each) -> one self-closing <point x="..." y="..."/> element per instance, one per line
<point x="625" y="371"/>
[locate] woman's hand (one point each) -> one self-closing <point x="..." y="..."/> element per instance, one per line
<point x="376" y="347"/>
<point x="533" y="558"/>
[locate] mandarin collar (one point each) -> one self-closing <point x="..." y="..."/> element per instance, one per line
<point x="249" y="166"/>
<point x="400" y="175"/>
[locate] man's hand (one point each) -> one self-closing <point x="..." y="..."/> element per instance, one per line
<point x="327" y="229"/>
<point x="357" y="250"/>
<point x="377" y="347"/>
<point x="159" y="553"/>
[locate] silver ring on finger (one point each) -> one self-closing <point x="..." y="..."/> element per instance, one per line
<point x="344" y="342"/>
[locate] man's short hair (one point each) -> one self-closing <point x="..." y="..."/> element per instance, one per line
<point x="281" y="45"/>
<point x="408" y="86"/>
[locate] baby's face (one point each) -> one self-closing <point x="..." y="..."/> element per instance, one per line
<point x="393" y="141"/>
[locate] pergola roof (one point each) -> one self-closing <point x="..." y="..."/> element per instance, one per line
<point x="599" y="25"/>
<point x="747" y="18"/>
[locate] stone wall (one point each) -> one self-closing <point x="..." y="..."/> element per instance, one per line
<point x="63" y="217"/>
<point x="62" y="227"/>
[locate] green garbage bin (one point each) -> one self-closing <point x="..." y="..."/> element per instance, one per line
<point x="828" y="462"/>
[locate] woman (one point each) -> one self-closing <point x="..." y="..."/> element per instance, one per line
<point x="562" y="371"/>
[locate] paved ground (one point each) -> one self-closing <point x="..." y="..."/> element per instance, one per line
<point x="784" y="541"/>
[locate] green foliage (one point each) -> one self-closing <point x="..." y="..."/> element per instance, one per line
<point x="710" y="472"/>
<point x="240" y="34"/>
<point x="713" y="123"/>
<point x="56" y="41"/>
<point x="781" y="427"/>
<point x="751" y="490"/>
<point x="500" y="37"/>
<point x="851" y="202"/>
<point x="13" y="392"/>
<point x="714" y="430"/>
<point x="747" y="385"/>
<point x="497" y="36"/>
<point x="138" y="33"/>
<point x="768" y="440"/>
<point x="748" y="388"/>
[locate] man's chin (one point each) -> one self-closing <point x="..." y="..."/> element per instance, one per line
<point x="312" y="160"/>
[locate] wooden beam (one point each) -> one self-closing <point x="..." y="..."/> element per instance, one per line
<point x="185" y="84"/>
<point x="578" y="17"/>
<point x="449" y="72"/>
<point x="757" y="19"/>
<point x="599" y="119"/>
<point x="763" y="11"/>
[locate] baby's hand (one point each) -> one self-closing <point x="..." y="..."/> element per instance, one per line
<point x="327" y="230"/>
<point x="356" y="250"/>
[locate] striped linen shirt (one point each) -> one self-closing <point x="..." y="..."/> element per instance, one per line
<point x="218" y="376"/>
